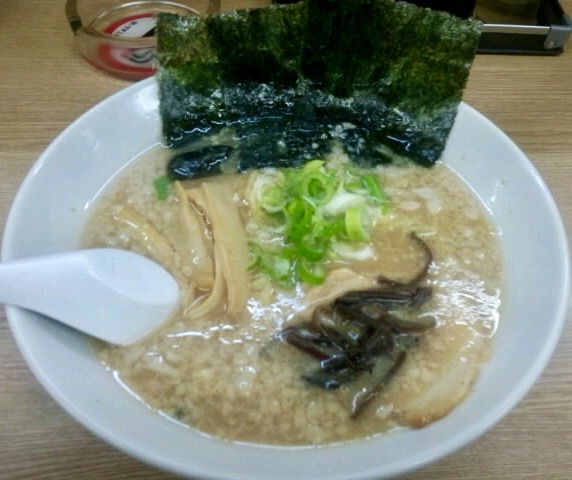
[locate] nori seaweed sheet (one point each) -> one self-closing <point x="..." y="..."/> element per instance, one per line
<point x="288" y="79"/>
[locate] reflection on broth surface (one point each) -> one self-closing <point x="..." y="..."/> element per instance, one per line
<point x="218" y="366"/>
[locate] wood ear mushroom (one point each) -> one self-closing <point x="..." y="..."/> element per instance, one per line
<point x="361" y="339"/>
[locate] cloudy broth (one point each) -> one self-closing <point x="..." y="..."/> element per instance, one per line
<point x="229" y="377"/>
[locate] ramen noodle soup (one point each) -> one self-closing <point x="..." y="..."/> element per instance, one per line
<point x="219" y="364"/>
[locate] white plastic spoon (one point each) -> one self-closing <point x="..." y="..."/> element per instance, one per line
<point x="115" y="295"/>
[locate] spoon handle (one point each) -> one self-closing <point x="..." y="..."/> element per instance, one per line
<point x="114" y="295"/>
<point x="39" y="283"/>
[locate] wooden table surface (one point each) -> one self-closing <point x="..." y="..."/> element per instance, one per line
<point x="45" y="85"/>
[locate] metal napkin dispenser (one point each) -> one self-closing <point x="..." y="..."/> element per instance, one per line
<point x="546" y="34"/>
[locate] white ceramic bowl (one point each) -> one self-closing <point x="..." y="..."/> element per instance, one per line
<point x="50" y="211"/>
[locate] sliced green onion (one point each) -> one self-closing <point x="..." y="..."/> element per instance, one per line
<point x="332" y="227"/>
<point x="317" y="188"/>
<point x="312" y="273"/>
<point x="355" y="185"/>
<point x="255" y="251"/>
<point x="299" y="213"/>
<point x="275" y="265"/>
<point x="272" y="199"/>
<point x="356" y="228"/>
<point x="312" y="166"/>
<point x="372" y="185"/>
<point x="162" y="185"/>
<point x="312" y="248"/>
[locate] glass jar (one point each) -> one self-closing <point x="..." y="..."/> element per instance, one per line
<point x="118" y="36"/>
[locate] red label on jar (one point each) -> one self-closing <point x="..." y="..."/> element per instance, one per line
<point x="132" y="60"/>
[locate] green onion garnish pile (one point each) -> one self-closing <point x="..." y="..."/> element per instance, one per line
<point x="306" y="216"/>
